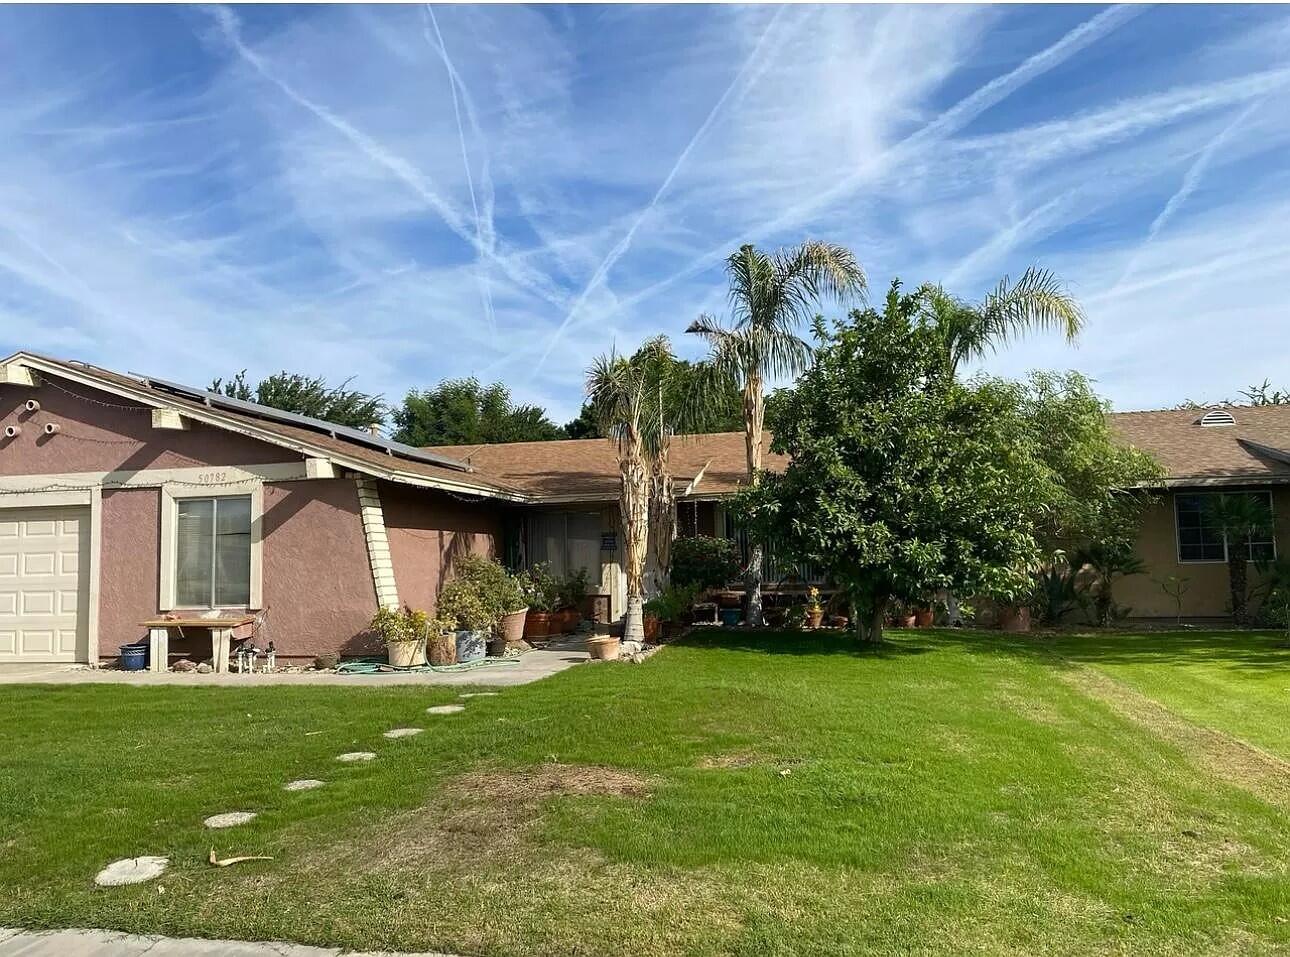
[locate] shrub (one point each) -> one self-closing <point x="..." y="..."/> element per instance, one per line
<point x="541" y="588"/>
<point x="703" y="562"/>
<point x="573" y="589"/>
<point x="481" y="593"/>
<point x="393" y="625"/>
<point x="672" y="602"/>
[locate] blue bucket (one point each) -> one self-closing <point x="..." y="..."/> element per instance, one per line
<point x="730" y="617"/>
<point x="134" y="657"/>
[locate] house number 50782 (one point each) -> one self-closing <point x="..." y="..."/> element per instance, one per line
<point x="211" y="476"/>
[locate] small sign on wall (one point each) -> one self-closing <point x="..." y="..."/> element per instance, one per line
<point x="609" y="541"/>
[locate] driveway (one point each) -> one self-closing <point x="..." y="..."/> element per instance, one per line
<point x="104" y="943"/>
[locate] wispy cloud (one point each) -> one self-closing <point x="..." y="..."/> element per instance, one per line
<point x="408" y="193"/>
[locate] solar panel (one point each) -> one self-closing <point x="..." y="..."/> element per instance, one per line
<point x="358" y="436"/>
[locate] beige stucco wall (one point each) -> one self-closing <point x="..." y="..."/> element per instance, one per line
<point x="1207" y="587"/>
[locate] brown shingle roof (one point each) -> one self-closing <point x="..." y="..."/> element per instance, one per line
<point x="571" y="468"/>
<point x="1207" y="453"/>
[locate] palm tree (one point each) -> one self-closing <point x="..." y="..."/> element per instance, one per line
<point x="623" y="394"/>
<point x="1241" y="518"/>
<point x="1036" y="301"/>
<point x="770" y="296"/>
<point x="1106" y="561"/>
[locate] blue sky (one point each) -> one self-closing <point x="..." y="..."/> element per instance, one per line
<point x="407" y="193"/>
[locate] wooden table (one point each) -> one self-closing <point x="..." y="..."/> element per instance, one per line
<point x="221" y="632"/>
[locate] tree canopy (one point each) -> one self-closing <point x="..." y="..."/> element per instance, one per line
<point x="307" y="395"/>
<point x="718" y="412"/>
<point x="902" y="480"/>
<point x="464" y="412"/>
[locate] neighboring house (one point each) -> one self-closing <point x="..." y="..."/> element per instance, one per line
<point x="123" y="497"/>
<point x="1204" y="453"/>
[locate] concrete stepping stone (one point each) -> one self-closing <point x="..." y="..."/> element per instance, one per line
<point x="403" y="732"/>
<point x="230" y="819"/>
<point x="479" y="694"/>
<point x="353" y="756"/>
<point x="306" y="784"/>
<point x="132" y="870"/>
<point x="446" y="709"/>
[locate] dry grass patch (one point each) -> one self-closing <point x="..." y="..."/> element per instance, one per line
<point x="1227" y="758"/>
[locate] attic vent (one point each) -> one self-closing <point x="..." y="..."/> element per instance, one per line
<point x="1216" y="417"/>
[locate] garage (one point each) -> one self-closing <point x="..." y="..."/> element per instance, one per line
<point x="44" y="584"/>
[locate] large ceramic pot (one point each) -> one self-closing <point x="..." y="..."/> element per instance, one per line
<point x="923" y="617"/>
<point x="406" y="654"/>
<point x="443" y="650"/>
<point x="604" y="647"/>
<point x="570" y="618"/>
<point x="511" y="627"/>
<point x="471" y="645"/>
<point x="814" y="616"/>
<point x="652" y="625"/>
<point x="537" y="624"/>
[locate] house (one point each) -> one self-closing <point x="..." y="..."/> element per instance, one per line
<point x="125" y="497"/>
<point x="1232" y="449"/>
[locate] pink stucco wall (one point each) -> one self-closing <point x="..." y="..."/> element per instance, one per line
<point x="427" y="531"/>
<point x="99" y="437"/>
<point x="129" y="575"/>
<point x="317" y="578"/>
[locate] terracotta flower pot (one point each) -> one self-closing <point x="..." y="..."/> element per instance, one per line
<point x="814" y="617"/>
<point x="652" y="625"/>
<point x="1014" y="618"/>
<point x="406" y="654"/>
<point x="906" y="621"/>
<point x="604" y="648"/>
<point x="511" y="627"/>
<point x="537" y="624"/>
<point x="443" y="651"/>
<point x="923" y="618"/>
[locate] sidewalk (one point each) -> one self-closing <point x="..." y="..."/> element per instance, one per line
<point x="531" y="666"/>
<point x="106" y="943"/>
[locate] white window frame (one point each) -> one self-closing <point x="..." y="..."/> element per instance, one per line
<point x="1223" y="560"/>
<point x="170" y="496"/>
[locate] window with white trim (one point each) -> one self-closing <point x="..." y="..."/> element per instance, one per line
<point x="1200" y="541"/>
<point x="213" y="552"/>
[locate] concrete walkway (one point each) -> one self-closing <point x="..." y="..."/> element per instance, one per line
<point x="106" y="943"/>
<point x="531" y="666"/>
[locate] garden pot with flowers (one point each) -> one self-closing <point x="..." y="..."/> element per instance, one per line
<point x="403" y="632"/>
<point x="814" y="610"/>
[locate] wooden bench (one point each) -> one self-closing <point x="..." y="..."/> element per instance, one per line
<point x="221" y="632"/>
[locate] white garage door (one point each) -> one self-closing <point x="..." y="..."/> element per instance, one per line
<point x="44" y="584"/>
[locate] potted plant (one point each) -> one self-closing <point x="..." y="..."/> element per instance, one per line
<point x="572" y="592"/>
<point x="924" y="615"/>
<point x="512" y="598"/>
<point x="475" y="601"/>
<point x="814" y="610"/>
<point x="441" y="649"/>
<point x="664" y="612"/>
<point x="543" y="589"/>
<point x="404" y="632"/>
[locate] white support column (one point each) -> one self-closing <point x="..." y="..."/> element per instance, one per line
<point x="158" y="649"/>
<point x="378" y="543"/>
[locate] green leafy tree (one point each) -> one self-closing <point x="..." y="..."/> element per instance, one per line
<point x="464" y="412"/>
<point x="971" y="330"/>
<point x="770" y="295"/>
<point x="308" y="395"/>
<point x="1240" y="517"/>
<point x="901" y="479"/>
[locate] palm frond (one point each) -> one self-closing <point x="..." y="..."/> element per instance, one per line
<point x="1037" y="301"/>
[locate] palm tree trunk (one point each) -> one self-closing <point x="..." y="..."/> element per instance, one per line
<point x="754" y="421"/>
<point x="662" y="519"/>
<point x="633" y="503"/>
<point x="1236" y="576"/>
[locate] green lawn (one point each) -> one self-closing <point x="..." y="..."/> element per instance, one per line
<point x="955" y="792"/>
